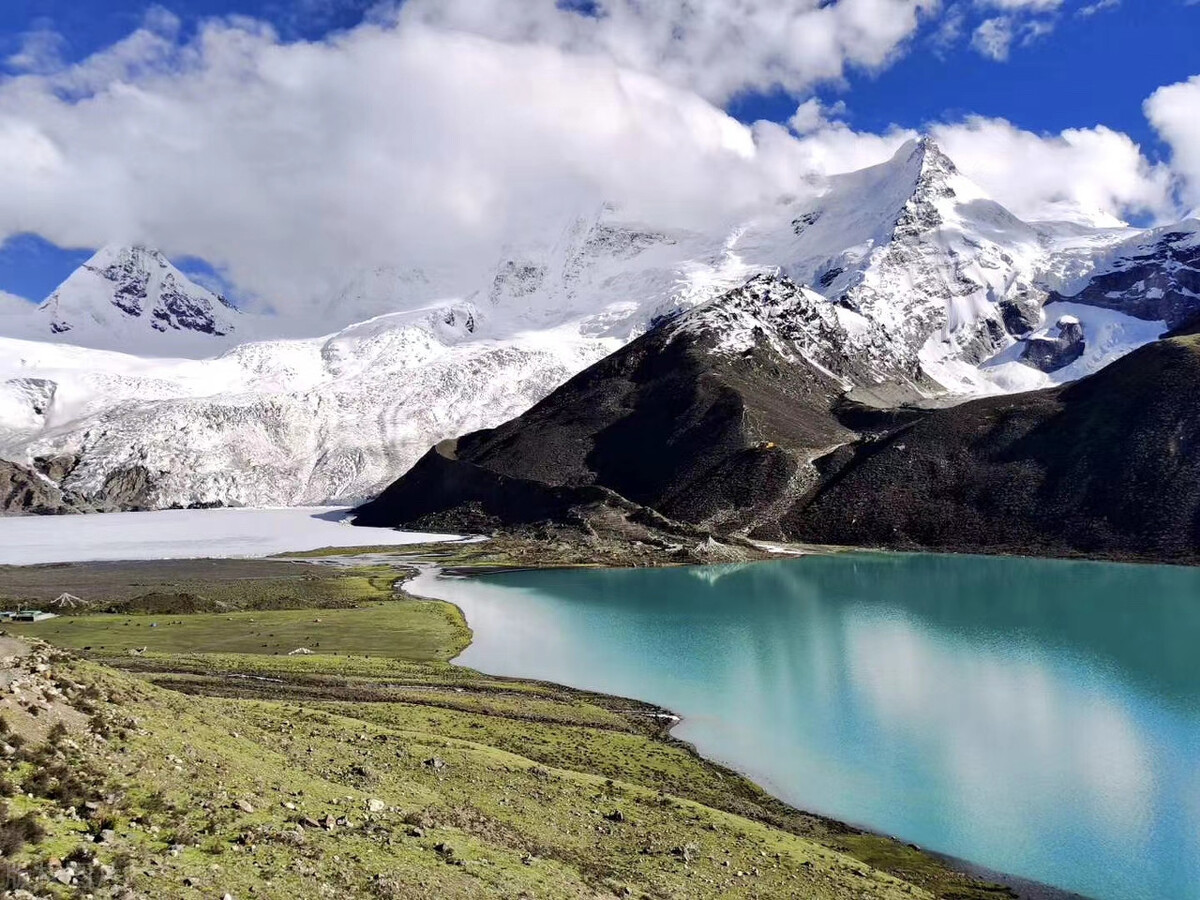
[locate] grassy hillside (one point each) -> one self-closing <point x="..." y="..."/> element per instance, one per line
<point x="416" y="631"/>
<point x="180" y="772"/>
<point x="195" y="585"/>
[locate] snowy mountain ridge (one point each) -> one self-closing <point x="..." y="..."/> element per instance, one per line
<point x="903" y="273"/>
<point x="1151" y="275"/>
<point x="798" y="323"/>
<point x="125" y="297"/>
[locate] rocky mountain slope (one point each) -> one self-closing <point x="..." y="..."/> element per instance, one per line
<point x="23" y="490"/>
<point x="127" y="297"/>
<point x="1108" y="466"/>
<point x="764" y="439"/>
<point x="933" y="284"/>
<point x="1154" y="275"/>
<point x="713" y="419"/>
<point x="275" y="423"/>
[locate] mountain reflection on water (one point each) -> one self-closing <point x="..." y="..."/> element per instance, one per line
<point x="1038" y="717"/>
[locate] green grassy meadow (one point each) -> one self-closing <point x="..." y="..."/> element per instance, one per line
<point x="411" y="629"/>
<point x="214" y="763"/>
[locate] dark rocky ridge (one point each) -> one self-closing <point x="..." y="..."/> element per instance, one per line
<point x="1053" y="353"/>
<point x="765" y="444"/>
<point x="670" y="423"/>
<point x="1156" y="277"/>
<point x="39" y="489"/>
<point x="24" y="491"/>
<point x="1107" y="467"/>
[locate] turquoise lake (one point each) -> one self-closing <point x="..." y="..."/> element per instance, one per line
<point x="1040" y="718"/>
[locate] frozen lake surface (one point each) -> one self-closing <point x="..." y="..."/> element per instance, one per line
<point x="187" y="534"/>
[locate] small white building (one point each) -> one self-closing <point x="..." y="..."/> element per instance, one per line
<point x="26" y="615"/>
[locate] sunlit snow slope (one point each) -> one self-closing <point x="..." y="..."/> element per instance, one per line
<point x="131" y="381"/>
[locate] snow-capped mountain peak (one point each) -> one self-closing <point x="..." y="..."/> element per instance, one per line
<point x="895" y="279"/>
<point x="798" y="323"/>
<point x="919" y="248"/>
<point x="124" y="296"/>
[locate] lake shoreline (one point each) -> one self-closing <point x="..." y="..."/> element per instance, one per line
<point x="525" y="555"/>
<point x="1022" y="888"/>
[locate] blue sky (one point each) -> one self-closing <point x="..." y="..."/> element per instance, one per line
<point x="32" y="267"/>
<point x="1063" y="70"/>
<point x="1091" y="70"/>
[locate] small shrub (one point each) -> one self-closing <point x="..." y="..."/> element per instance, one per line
<point x="99" y="725"/>
<point x="155" y="802"/>
<point x="81" y="856"/>
<point x="122" y="861"/>
<point x="183" y="835"/>
<point x="69" y="785"/>
<point x="16" y="833"/>
<point x="101" y="820"/>
<point x="57" y="734"/>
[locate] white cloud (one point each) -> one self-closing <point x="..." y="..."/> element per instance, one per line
<point x="1090" y="174"/>
<point x="1034" y="29"/>
<point x="12" y="305"/>
<point x="293" y="165"/>
<point x="40" y="51"/>
<point x="834" y="148"/>
<point x="1022" y="5"/>
<point x="1174" y="111"/>
<point x="716" y="48"/>
<point x="950" y="30"/>
<point x="812" y="115"/>
<point x="1081" y="173"/>
<point x="994" y="37"/>
<point x="1097" y="7"/>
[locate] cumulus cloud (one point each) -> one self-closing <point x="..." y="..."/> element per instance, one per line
<point x="1093" y="175"/>
<point x="994" y="37"/>
<point x="292" y="164"/>
<point x="412" y="143"/>
<point x="1175" y="112"/>
<point x="716" y="48"/>
<point x="1085" y="174"/>
<point x="812" y="115"/>
<point x="40" y="51"/>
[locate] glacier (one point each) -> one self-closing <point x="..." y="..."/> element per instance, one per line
<point x="131" y="373"/>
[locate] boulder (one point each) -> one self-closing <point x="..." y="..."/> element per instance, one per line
<point x="1053" y="353"/>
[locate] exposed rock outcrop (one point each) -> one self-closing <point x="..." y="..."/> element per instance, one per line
<point x="25" y="491"/>
<point x="1021" y="315"/>
<point x="1053" y="353"/>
